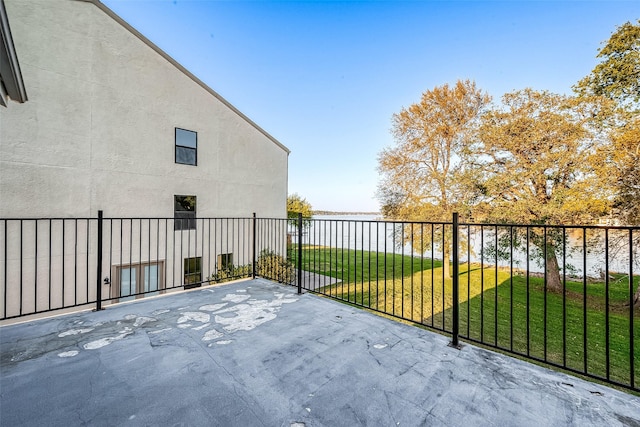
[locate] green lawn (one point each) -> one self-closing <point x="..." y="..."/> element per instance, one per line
<point x="510" y="315"/>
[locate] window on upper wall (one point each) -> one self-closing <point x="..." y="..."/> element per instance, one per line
<point x="186" y="147"/>
<point x="184" y="214"/>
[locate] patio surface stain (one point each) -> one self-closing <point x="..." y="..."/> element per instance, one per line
<point x="256" y="353"/>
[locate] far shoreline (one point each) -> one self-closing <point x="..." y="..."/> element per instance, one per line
<point x="343" y="213"/>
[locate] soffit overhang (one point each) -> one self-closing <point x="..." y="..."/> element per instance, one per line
<point x="11" y="83"/>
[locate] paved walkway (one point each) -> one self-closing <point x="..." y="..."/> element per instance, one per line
<point x="314" y="281"/>
<point x="255" y="353"/>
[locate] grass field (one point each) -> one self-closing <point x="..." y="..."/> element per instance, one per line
<point x="513" y="313"/>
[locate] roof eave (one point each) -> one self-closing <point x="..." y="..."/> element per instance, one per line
<point x="176" y="64"/>
<point x="10" y="74"/>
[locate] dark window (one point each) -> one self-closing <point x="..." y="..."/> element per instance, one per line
<point x="186" y="147"/>
<point x="192" y="271"/>
<point x="184" y="212"/>
<point x="225" y="261"/>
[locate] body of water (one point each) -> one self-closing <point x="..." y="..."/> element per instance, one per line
<point x="478" y="244"/>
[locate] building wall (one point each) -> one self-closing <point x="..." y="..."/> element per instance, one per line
<point x="98" y="133"/>
<point x="98" y="129"/>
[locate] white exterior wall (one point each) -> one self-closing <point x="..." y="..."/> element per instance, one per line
<point x="98" y="129"/>
<point x="98" y="133"/>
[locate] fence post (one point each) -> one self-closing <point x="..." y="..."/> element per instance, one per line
<point x="253" y="248"/>
<point x="455" y="283"/>
<point x="299" y="253"/>
<point x="99" y="266"/>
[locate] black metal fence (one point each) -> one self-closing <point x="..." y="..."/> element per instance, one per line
<point x="561" y="295"/>
<point x="55" y="264"/>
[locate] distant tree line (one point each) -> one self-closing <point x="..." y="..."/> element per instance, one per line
<point x="344" y="213"/>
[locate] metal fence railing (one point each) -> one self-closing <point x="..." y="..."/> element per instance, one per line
<point x="562" y="295"/>
<point x="52" y="264"/>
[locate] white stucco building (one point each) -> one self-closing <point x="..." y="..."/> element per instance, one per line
<point x="98" y="130"/>
<point x="94" y="116"/>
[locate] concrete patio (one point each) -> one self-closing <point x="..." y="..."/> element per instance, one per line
<point x="254" y="353"/>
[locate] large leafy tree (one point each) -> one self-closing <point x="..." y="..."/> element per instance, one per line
<point x="536" y="156"/>
<point x="625" y="162"/>
<point x="617" y="77"/>
<point x="422" y="173"/>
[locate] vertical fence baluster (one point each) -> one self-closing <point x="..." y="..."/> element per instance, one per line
<point x="495" y="292"/>
<point x="5" y="290"/>
<point x="455" y="283"/>
<point x="631" y="319"/>
<point x="35" y="269"/>
<point x="99" y="264"/>
<point x="369" y="265"/>
<point x="63" y="264"/>
<point x="422" y="273"/>
<point x="564" y="296"/>
<point x="299" y="253"/>
<point x="445" y="264"/>
<point x="402" y="227"/>
<point x="528" y="280"/>
<point x="546" y="282"/>
<point x="385" y="266"/>
<point x="468" y="281"/>
<point x="253" y="246"/>
<point x="432" y="276"/>
<point x="481" y="283"/>
<point x="607" y="347"/>
<point x="511" y="288"/>
<point x="86" y="265"/>
<point x="584" y="300"/>
<point x="362" y="262"/>
<point x="49" y="274"/>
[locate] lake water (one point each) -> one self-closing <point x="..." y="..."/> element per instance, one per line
<point x="368" y="233"/>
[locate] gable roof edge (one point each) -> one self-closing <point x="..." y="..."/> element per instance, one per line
<point x="186" y="72"/>
<point x="9" y="65"/>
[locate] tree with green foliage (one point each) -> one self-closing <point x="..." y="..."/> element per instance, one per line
<point x="617" y="76"/>
<point x="297" y="205"/>
<point x="422" y="174"/>
<point x="625" y="170"/>
<point x="535" y="154"/>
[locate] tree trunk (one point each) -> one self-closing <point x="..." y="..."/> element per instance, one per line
<point x="446" y="262"/>
<point x="553" y="270"/>
<point x="636" y="298"/>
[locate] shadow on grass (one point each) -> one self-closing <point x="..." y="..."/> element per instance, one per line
<point x="564" y="328"/>
<point x="574" y="328"/>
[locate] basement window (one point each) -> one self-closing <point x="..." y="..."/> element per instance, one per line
<point x="192" y="272"/>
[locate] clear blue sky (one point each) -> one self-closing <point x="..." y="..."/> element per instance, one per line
<point x="324" y="78"/>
